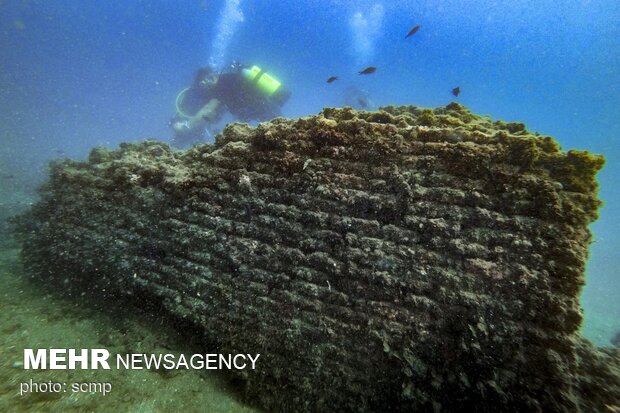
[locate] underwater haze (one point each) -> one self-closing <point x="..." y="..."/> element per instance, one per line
<point x="79" y="74"/>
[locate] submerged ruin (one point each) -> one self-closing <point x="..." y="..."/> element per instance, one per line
<point x="401" y="260"/>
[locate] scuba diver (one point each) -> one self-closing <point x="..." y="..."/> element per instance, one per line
<point x="248" y="94"/>
<point x="358" y="98"/>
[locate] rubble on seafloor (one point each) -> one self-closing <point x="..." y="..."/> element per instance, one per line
<point x="400" y="260"/>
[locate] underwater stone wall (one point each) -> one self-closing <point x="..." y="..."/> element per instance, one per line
<point x="401" y="260"/>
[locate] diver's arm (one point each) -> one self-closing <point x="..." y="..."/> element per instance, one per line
<point x="208" y="114"/>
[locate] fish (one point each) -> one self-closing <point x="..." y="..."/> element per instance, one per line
<point x="456" y="91"/>
<point x="368" y="70"/>
<point x="332" y="78"/>
<point x="413" y="31"/>
<point x="8" y="176"/>
<point x="362" y="102"/>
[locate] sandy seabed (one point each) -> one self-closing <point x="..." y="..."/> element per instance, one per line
<point x="33" y="318"/>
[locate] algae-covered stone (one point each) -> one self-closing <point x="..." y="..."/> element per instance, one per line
<point x="402" y="260"/>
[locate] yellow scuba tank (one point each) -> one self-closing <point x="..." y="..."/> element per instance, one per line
<point x="266" y="84"/>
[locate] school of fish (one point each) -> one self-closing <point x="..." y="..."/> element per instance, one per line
<point x="372" y="69"/>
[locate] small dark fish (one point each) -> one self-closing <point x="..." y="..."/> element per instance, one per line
<point x="413" y="31"/>
<point x="249" y="214"/>
<point x="368" y="70"/>
<point x="456" y="91"/>
<point x="332" y="78"/>
<point x="59" y="151"/>
<point x="8" y="176"/>
<point x="363" y="103"/>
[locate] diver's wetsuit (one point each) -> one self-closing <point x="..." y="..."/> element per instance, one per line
<point x="238" y="96"/>
<point x="235" y="94"/>
<point x="244" y="102"/>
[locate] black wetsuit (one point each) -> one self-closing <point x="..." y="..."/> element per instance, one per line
<point x="244" y="101"/>
<point x="237" y="95"/>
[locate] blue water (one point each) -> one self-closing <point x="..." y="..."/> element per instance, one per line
<point x="78" y="74"/>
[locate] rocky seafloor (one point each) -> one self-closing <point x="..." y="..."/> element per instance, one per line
<point x="401" y="260"/>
